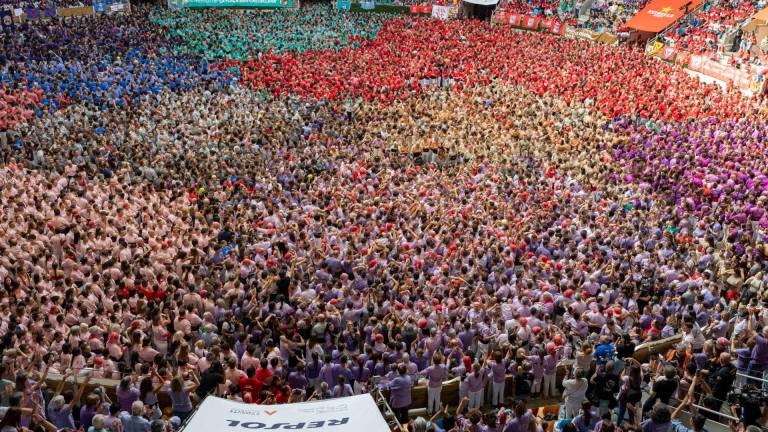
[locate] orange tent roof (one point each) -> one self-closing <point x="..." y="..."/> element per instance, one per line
<point x="660" y="14"/>
<point x="761" y="15"/>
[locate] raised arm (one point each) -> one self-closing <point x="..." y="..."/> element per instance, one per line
<point x="80" y="392"/>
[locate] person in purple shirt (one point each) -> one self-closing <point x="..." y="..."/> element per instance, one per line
<point x="360" y="376"/>
<point x="328" y="372"/>
<point x="126" y="394"/>
<point x="298" y="378"/>
<point x="498" y="368"/>
<point x="549" y="366"/>
<point x="312" y="370"/>
<point x="476" y="384"/>
<point x="400" y="394"/>
<point x="537" y="369"/>
<point x="522" y="419"/>
<point x="585" y="421"/>
<point x="342" y="389"/>
<point x="88" y="410"/>
<point x="435" y="375"/>
<point x="658" y="421"/>
<point x="59" y="411"/>
<point x="759" y="361"/>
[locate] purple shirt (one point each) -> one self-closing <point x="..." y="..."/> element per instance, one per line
<point x="86" y="416"/>
<point x="498" y="371"/>
<point x="435" y="375"/>
<point x="519" y="424"/>
<point x="650" y="426"/>
<point x="127" y="397"/>
<point x="328" y="374"/>
<point x="549" y="364"/>
<point x="760" y="351"/>
<point x="297" y="380"/>
<point x="475" y="382"/>
<point x="400" y="392"/>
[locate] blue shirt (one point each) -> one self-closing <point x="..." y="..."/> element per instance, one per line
<point x="133" y="423"/>
<point x="61" y="417"/>
<point x="604" y="352"/>
<point x="678" y="426"/>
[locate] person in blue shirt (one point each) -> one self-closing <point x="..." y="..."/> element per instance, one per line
<point x="604" y="351"/>
<point x="697" y="422"/>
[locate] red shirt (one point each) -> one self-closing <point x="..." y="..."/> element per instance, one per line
<point x="250" y="386"/>
<point x="263" y="374"/>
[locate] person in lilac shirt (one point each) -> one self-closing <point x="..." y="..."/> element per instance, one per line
<point x="498" y="368"/>
<point x="435" y="375"/>
<point x="342" y="389"/>
<point x="759" y="361"/>
<point x="549" y="366"/>
<point x="360" y="375"/>
<point x="537" y="369"/>
<point x="298" y="378"/>
<point x="476" y="384"/>
<point x="658" y="421"/>
<point x="126" y="394"/>
<point x="522" y="419"/>
<point x="60" y="412"/>
<point x="400" y="394"/>
<point x="328" y="372"/>
<point x="312" y="370"/>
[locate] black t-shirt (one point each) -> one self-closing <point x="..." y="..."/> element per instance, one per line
<point x="664" y="389"/>
<point x="606" y="385"/>
<point x="282" y="286"/>
<point x="722" y="381"/>
<point x="208" y="382"/>
<point x="625" y="350"/>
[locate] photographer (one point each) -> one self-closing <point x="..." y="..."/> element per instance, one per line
<point x="749" y="406"/>
<point x="662" y="389"/>
<point x="721" y="380"/>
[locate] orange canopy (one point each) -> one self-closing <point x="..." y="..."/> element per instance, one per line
<point x="660" y="14"/>
<point x="758" y="19"/>
<point x="762" y="15"/>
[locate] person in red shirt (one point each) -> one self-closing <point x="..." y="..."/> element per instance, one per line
<point x="263" y="373"/>
<point x="250" y="385"/>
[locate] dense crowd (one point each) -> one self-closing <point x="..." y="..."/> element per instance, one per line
<point x="215" y="34"/>
<point x="401" y="201"/>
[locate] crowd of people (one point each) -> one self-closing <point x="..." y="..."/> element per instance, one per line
<point x="400" y="202"/>
<point x="703" y="31"/>
<point x="222" y="34"/>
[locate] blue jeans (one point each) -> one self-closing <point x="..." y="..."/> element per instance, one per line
<point x="622" y="411"/>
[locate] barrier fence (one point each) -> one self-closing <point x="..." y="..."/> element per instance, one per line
<point x="450" y="391"/>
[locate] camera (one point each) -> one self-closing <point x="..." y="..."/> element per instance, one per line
<point x="748" y="396"/>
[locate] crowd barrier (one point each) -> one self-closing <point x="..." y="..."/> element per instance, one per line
<point x="551" y="25"/>
<point x="748" y="81"/>
<point x="450" y="393"/>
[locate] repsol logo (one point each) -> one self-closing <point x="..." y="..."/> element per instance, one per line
<point x="290" y="426"/>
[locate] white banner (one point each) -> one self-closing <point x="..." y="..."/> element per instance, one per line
<point x="350" y="414"/>
<point x="442" y="12"/>
<point x="482" y="2"/>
